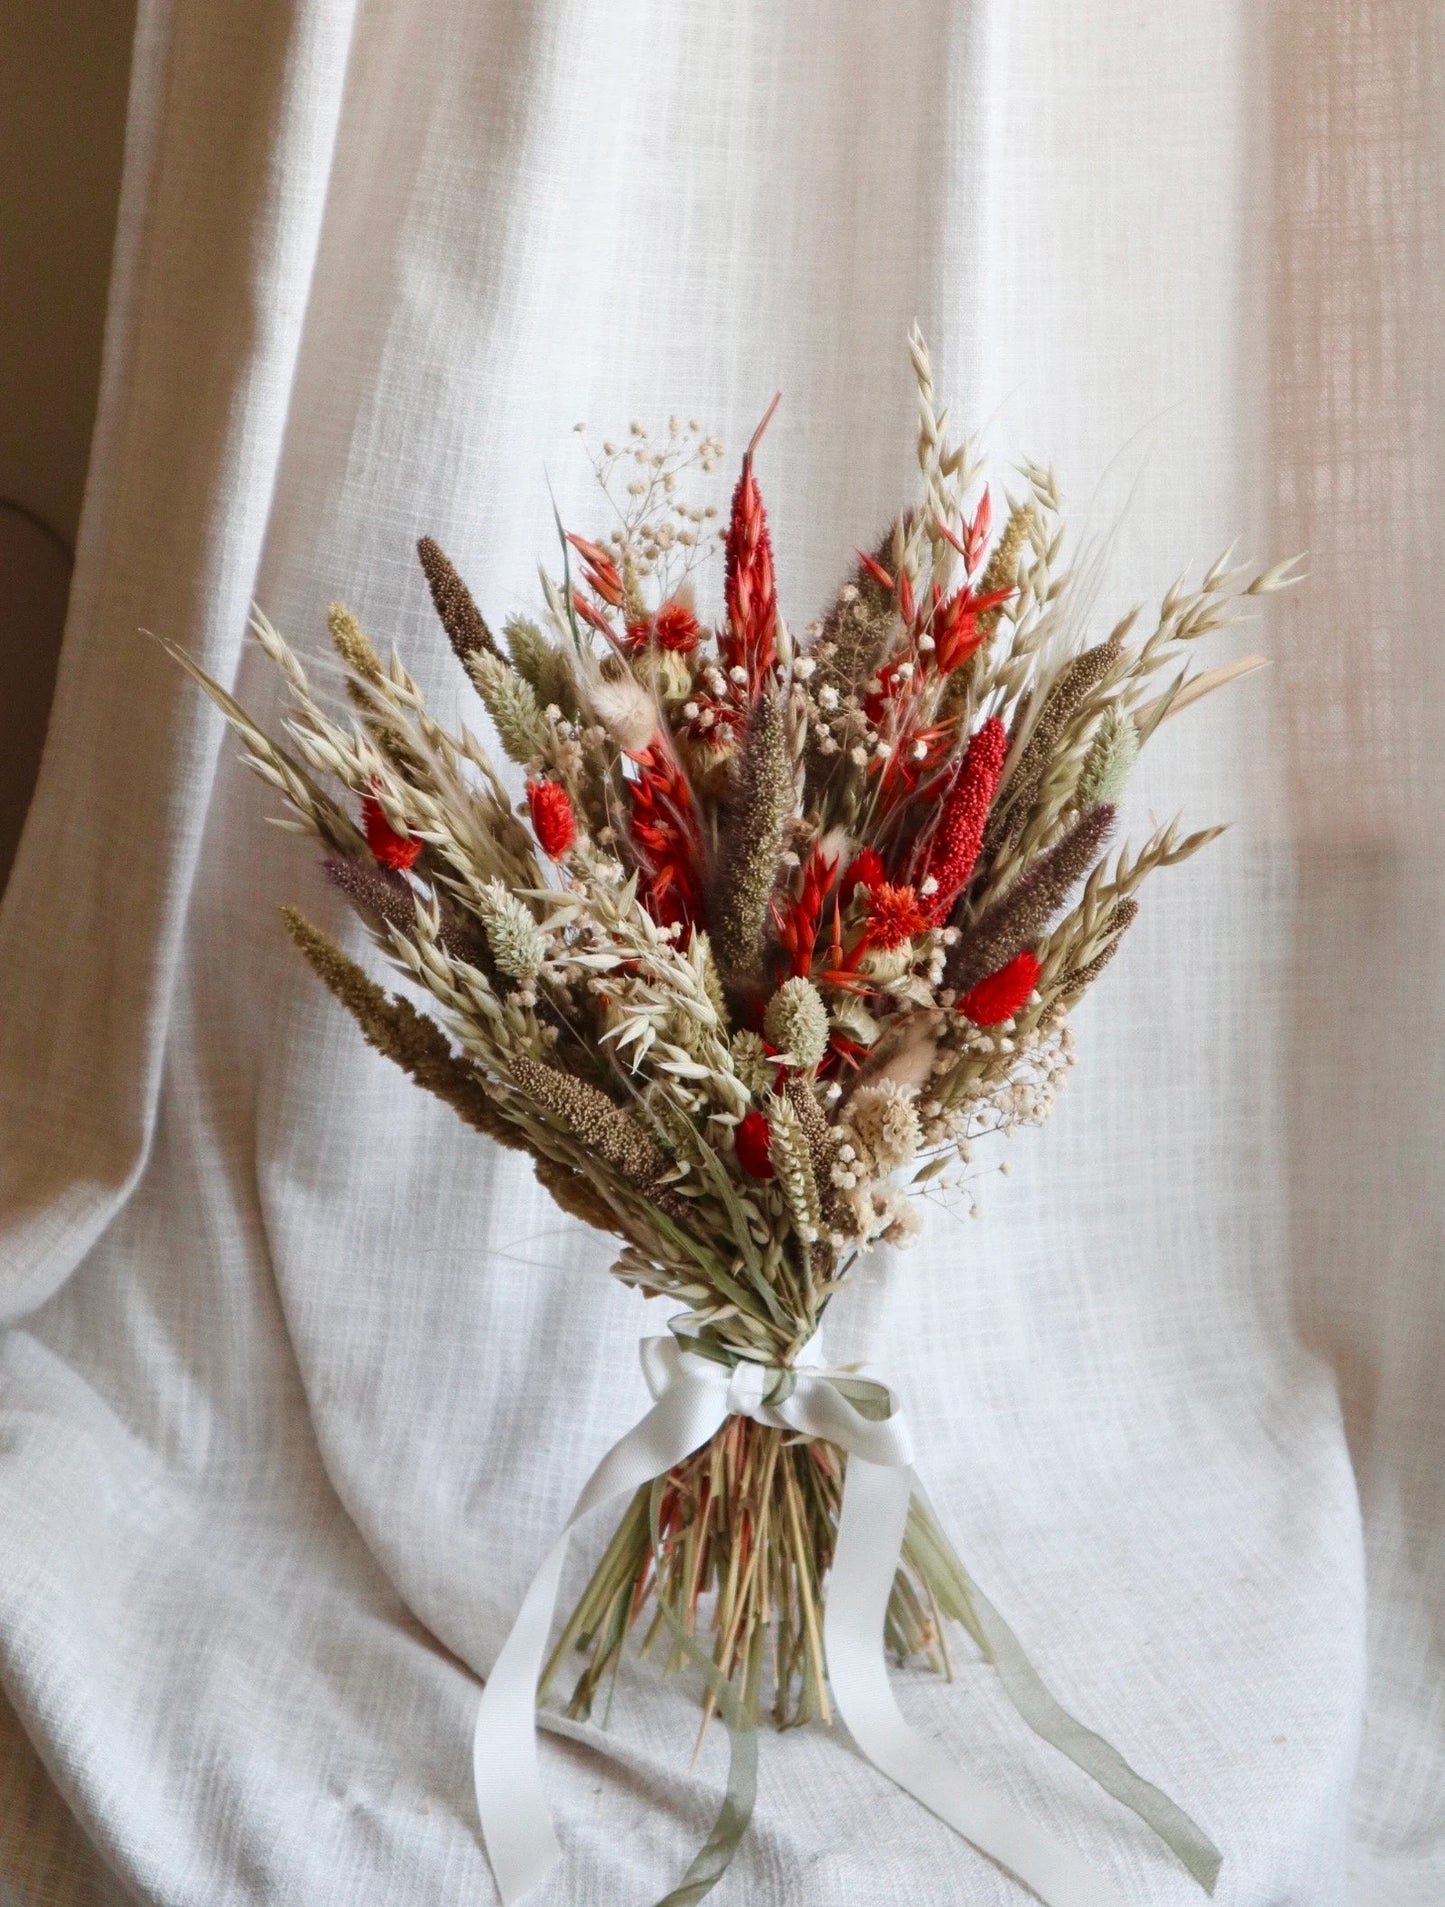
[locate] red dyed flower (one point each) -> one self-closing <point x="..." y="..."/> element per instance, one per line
<point x="799" y="921"/>
<point x="599" y="571"/>
<point x="673" y="627"/>
<point x="975" y="535"/>
<point x="553" y="821"/>
<point x="955" y="630"/>
<point x="894" y="915"/>
<point x="390" y="848"/>
<point x="751" y="1141"/>
<point x="864" y="870"/>
<point x="748" y="642"/>
<point x="955" y="846"/>
<point x="665" y="837"/>
<point x="1000" y="995"/>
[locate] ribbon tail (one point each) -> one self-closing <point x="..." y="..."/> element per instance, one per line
<point x="1025" y="1688"/>
<point x="870" y="1539"/>
<point x="714" y="1857"/>
<point x="516" y="1825"/>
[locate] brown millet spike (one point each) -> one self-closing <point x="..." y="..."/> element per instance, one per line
<point x="753" y="845"/>
<point x="616" y="1138"/>
<point x="821" y="1150"/>
<point x="381" y="892"/>
<point x="1078" y="979"/>
<point x="576" y="1194"/>
<point x="458" y="612"/>
<point x="408" y="1038"/>
<point x="1085" y="672"/>
<point x="1030" y="904"/>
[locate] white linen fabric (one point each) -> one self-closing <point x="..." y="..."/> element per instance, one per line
<point x="280" y="1429"/>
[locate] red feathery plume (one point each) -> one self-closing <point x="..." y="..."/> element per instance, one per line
<point x="673" y="627"/>
<point x="1000" y="995"/>
<point x="553" y="821"/>
<point x="799" y="921"/>
<point x="864" y="870"/>
<point x="955" y="846"/>
<point x="389" y="847"/>
<point x="665" y="837"/>
<point x="749" y="639"/>
<point x="751" y="1143"/>
<point x="894" y="915"/>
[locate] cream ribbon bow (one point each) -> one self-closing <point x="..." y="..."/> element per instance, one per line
<point x="693" y="1397"/>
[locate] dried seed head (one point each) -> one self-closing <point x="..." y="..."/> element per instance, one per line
<point x="796" y="1021"/>
<point x="518" y="944"/>
<point x="457" y="612"/>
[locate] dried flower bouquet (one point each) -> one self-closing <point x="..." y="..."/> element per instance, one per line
<point x="778" y="932"/>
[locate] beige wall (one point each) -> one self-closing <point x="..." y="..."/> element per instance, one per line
<point x="63" y="71"/>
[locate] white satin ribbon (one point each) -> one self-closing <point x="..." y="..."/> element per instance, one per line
<point x="694" y="1396"/>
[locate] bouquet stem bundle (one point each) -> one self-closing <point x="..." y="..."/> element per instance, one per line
<point x="749" y="1522"/>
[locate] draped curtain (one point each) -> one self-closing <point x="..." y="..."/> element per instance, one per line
<point x="297" y="1378"/>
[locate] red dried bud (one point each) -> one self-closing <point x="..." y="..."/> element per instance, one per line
<point x="751" y="1141"/>
<point x="553" y="821"/>
<point x="673" y="627"/>
<point x="894" y="916"/>
<point x="1000" y="995"/>
<point x="389" y="847"/>
<point x="975" y="535"/>
<point x="864" y="870"/>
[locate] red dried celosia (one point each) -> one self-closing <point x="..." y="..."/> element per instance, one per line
<point x="751" y="1142"/>
<point x="673" y="627"/>
<point x="389" y="847"/>
<point x="999" y="995"/>
<point x="748" y="641"/>
<point x="665" y="836"/>
<point x="959" y="835"/>
<point x="553" y="821"/>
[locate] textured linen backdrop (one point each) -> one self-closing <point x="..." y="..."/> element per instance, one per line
<point x="298" y="1377"/>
